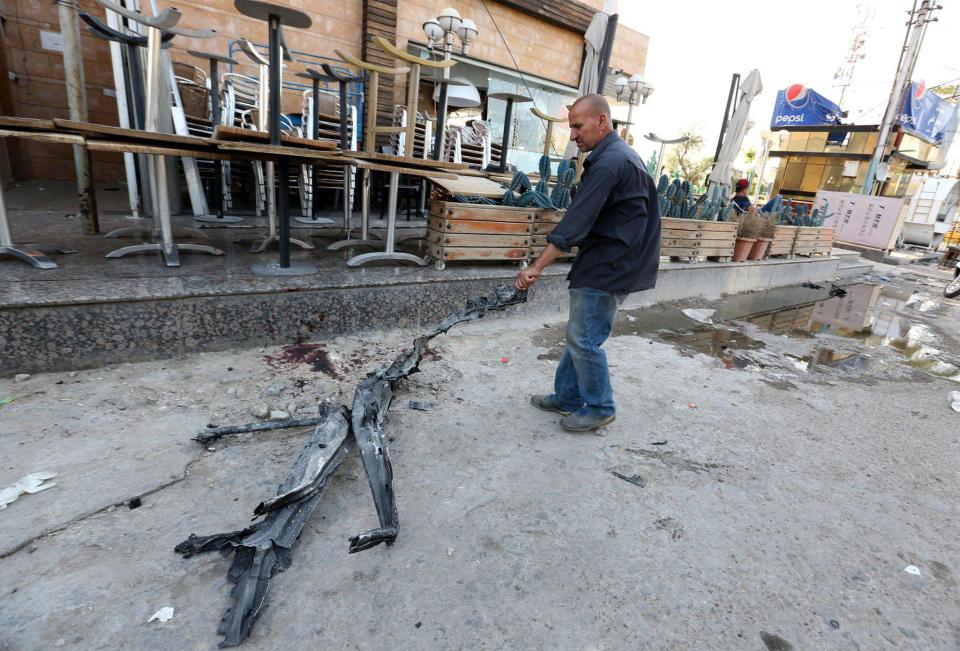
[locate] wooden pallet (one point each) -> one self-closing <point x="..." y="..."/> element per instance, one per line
<point x="544" y="223"/>
<point x="783" y="239"/>
<point x="696" y="240"/>
<point x="460" y="232"/>
<point x="813" y="240"/>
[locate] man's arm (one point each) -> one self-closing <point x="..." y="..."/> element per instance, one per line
<point x="528" y="276"/>
<point x="594" y="190"/>
<point x="592" y="194"/>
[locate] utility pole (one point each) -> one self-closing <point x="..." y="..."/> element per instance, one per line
<point x="916" y="27"/>
<point x="77" y="103"/>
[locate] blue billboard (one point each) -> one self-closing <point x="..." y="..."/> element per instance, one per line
<point x="924" y="114"/>
<point x="799" y="106"/>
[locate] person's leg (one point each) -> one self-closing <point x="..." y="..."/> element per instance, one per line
<point x="585" y="336"/>
<point x="566" y="392"/>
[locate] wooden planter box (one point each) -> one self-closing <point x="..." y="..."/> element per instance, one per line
<point x="544" y="223"/>
<point x="813" y="240"/>
<point x="464" y="232"/>
<point x="696" y="240"/>
<point x="783" y="239"/>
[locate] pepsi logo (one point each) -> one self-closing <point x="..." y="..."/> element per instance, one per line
<point x="920" y="88"/>
<point x="796" y="95"/>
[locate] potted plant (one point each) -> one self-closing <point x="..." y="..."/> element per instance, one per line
<point x="749" y="228"/>
<point x="766" y="230"/>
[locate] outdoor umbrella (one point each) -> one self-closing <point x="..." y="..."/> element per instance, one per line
<point x="590" y="72"/>
<point x="736" y="129"/>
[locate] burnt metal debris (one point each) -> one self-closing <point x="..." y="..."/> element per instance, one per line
<point x="212" y="434"/>
<point x="265" y="547"/>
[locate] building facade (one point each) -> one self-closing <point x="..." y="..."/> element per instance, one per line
<point x="534" y="45"/>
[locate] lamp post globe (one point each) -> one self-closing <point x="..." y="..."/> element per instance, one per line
<point x="467" y="32"/>
<point x="449" y="20"/>
<point x="433" y="31"/>
<point x="621" y="85"/>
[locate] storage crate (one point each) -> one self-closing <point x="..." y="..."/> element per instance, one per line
<point x="813" y="240"/>
<point x="470" y="232"/>
<point x="782" y="243"/>
<point x="696" y="240"/>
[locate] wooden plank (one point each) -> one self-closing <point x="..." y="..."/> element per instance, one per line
<point x="275" y="151"/>
<point x="158" y="150"/>
<point x="542" y="228"/>
<point x="308" y="142"/>
<point x="715" y="250"/>
<point x="411" y="171"/>
<point x="679" y="252"/>
<point x="481" y="212"/>
<point x="680" y="224"/>
<point x="223" y="132"/>
<point x="475" y="227"/>
<point x="455" y="253"/>
<point x="454" y="239"/>
<point x="12" y="122"/>
<point x="718" y="236"/>
<point x="475" y="186"/>
<point x="672" y="243"/>
<point x="545" y="215"/>
<point x="679" y="233"/>
<point x="407" y="160"/>
<point x="727" y="227"/>
<point x="86" y="128"/>
<point x="43" y="136"/>
<point x="239" y="134"/>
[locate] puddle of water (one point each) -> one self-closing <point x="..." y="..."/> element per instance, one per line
<point x="876" y="315"/>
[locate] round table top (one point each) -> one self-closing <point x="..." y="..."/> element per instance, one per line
<point x="508" y="96"/>
<point x="263" y="10"/>
<point x="211" y="56"/>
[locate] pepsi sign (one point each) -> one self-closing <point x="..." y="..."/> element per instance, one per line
<point x="924" y="114"/>
<point x="799" y="106"/>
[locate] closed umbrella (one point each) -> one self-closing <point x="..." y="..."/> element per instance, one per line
<point x="723" y="167"/>
<point x="590" y="72"/>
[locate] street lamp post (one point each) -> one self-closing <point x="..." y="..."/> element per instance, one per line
<point x="441" y="30"/>
<point x="639" y="90"/>
<point x="652" y="137"/>
<point x="767" y="144"/>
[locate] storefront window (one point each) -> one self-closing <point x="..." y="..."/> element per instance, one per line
<point x="817" y="141"/>
<point x="527" y="131"/>
<point x="858" y="143"/>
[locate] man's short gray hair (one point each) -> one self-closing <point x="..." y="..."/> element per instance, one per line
<point x="594" y="103"/>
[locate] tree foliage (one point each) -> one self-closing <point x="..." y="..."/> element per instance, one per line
<point x="684" y="159"/>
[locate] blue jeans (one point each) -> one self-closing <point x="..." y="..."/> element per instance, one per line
<point x="583" y="379"/>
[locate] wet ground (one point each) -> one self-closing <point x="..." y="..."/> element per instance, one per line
<point x="783" y="478"/>
<point x="848" y="327"/>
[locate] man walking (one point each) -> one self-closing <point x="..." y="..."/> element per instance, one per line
<point x="614" y="220"/>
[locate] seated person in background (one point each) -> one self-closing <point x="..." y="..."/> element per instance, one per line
<point x="740" y="200"/>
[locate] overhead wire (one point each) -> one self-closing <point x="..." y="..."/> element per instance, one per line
<point x="516" y="67"/>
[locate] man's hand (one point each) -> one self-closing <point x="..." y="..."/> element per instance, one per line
<point x="527" y="277"/>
